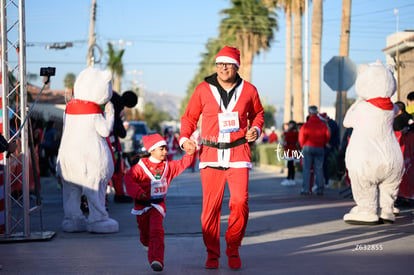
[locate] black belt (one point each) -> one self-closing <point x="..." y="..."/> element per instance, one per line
<point x="148" y="202"/>
<point x="224" y="145"/>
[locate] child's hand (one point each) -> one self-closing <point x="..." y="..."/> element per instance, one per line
<point x="189" y="147"/>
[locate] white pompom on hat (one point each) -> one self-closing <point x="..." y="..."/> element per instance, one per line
<point x="228" y="55"/>
<point x="151" y="142"/>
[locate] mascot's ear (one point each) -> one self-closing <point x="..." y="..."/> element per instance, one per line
<point x="129" y="99"/>
<point x="362" y="67"/>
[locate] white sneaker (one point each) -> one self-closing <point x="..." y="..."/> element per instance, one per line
<point x="285" y="182"/>
<point x="395" y="211"/>
<point x="292" y="182"/>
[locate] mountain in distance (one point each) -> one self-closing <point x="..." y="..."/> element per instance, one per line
<point x="166" y="102"/>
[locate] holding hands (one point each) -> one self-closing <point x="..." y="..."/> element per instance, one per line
<point x="189" y="146"/>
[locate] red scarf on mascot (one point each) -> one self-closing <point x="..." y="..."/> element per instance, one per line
<point x="84" y="107"/>
<point x="383" y="103"/>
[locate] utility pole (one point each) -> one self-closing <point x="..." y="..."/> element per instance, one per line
<point x="92" y="39"/>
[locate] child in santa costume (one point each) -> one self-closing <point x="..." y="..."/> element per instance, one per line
<point x="232" y="116"/>
<point x="147" y="182"/>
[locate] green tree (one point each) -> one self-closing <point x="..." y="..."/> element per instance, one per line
<point x="250" y="26"/>
<point x="247" y="24"/>
<point x="69" y="81"/>
<point x="115" y="65"/>
<point x="269" y="116"/>
<point x="153" y="116"/>
<point x="207" y="67"/>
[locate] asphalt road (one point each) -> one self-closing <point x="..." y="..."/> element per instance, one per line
<point x="287" y="234"/>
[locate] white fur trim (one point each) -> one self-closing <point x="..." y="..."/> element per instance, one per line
<point x="158" y="144"/>
<point x="146" y="209"/>
<point x="238" y="164"/>
<point x="226" y="59"/>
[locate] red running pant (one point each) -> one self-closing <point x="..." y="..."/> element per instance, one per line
<point x="118" y="183"/>
<point x="213" y="182"/>
<point x="151" y="233"/>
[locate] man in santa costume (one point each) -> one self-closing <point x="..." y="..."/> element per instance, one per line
<point x="232" y="116"/>
<point x="147" y="182"/>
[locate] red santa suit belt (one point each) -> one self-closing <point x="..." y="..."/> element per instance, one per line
<point x="224" y="145"/>
<point x="383" y="103"/>
<point x="82" y="107"/>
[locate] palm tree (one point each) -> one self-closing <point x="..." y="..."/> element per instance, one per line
<point x="315" y="69"/>
<point x="250" y="26"/>
<point x="297" y="9"/>
<point x="286" y="5"/>
<point x="115" y="65"/>
<point x="341" y="99"/>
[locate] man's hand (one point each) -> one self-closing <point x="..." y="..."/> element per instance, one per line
<point x="251" y="135"/>
<point x="189" y="146"/>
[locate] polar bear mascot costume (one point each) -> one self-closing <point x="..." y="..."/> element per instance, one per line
<point x="85" y="162"/>
<point x="373" y="157"/>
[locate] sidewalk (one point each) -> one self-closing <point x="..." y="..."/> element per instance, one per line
<point x="286" y="234"/>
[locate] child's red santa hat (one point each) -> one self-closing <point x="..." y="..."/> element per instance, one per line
<point x="151" y="142"/>
<point x="228" y="55"/>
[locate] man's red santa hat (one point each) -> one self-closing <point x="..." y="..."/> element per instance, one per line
<point x="228" y="55"/>
<point x="151" y="142"/>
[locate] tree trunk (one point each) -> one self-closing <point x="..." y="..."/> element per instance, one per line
<point x="341" y="98"/>
<point x="117" y="83"/>
<point x="315" y="71"/>
<point x="246" y="58"/>
<point x="288" y="75"/>
<point x="297" y="68"/>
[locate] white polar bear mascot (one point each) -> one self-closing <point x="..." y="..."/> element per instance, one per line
<point x="373" y="157"/>
<point x="85" y="162"/>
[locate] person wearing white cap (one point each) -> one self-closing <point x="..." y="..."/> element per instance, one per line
<point x="147" y="182"/>
<point x="232" y="116"/>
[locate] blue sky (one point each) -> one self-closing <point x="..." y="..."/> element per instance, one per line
<point x="164" y="39"/>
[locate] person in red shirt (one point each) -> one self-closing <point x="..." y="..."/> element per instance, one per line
<point x="290" y="148"/>
<point x="313" y="136"/>
<point x="147" y="182"/>
<point x="273" y="136"/>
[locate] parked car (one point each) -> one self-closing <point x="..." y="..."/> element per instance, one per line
<point x="140" y="129"/>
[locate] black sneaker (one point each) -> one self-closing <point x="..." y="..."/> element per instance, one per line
<point x="156" y="266"/>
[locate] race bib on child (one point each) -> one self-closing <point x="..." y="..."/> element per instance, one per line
<point x="159" y="188"/>
<point x="228" y="122"/>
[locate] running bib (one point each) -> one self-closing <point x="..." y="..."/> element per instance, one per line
<point x="159" y="188"/>
<point x="228" y="122"/>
